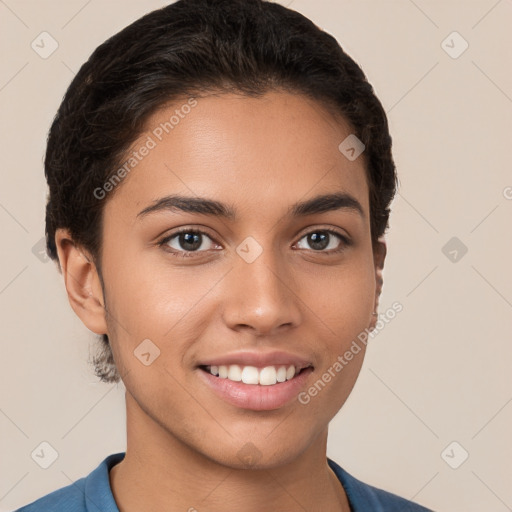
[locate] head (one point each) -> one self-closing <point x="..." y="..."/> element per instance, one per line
<point x="245" y="103"/>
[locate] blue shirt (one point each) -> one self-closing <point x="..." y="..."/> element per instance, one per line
<point x="93" y="494"/>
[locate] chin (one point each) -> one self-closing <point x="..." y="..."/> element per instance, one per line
<point x="259" y="451"/>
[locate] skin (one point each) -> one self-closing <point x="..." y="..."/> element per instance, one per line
<point x="259" y="155"/>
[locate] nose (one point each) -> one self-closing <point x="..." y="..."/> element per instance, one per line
<point x="261" y="296"/>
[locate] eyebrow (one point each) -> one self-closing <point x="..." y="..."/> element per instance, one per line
<point x="204" y="206"/>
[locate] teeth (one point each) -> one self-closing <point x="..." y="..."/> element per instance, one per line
<point x="281" y="374"/>
<point x="250" y="375"/>
<point x="235" y="373"/>
<point x="267" y="376"/>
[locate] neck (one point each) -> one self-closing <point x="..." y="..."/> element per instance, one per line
<point x="159" y="472"/>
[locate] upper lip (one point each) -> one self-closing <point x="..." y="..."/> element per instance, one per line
<point x="258" y="359"/>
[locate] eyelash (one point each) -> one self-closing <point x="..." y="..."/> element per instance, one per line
<point x="184" y="254"/>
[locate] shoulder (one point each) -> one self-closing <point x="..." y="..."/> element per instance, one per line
<point x="67" y="499"/>
<point x="364" y="497"/>
<point x="90" y="493"/>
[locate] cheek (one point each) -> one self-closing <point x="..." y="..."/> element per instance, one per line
<point x="149" y="299"/>
<point x="145" y="294"/>
<point x="343" y="306"/>
<point x="344" y="299"/>
<point x="343" y="313"/>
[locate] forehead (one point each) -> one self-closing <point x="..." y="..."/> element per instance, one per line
<point x="260" y="154"/>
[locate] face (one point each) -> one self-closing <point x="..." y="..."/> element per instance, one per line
<point x="265" y="286"/>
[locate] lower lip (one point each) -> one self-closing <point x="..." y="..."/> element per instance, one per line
<point x="255" y="396"/>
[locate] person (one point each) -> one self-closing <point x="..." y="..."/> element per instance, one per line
<point x="220" y="176"/>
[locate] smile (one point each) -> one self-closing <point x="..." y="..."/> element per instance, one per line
<point x="267" y="376"/>
<point x="258" y="389"/>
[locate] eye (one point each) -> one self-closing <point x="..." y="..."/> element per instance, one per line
<point x="188" y="241"/>
<point x="321" y="239"/>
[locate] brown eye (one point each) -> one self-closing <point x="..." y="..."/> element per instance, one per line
<point x="186" y="242"/>
<point x="321" y="239"/>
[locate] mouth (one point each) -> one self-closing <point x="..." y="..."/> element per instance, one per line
<point x="256" y="388"/>
<point x="252" y="375"/>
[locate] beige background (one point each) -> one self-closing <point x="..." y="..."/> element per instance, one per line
<point x="438" y="373"/>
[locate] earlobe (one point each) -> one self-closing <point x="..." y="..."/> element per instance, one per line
<point x="82" y="282"/>
<point x="379" y="256"/>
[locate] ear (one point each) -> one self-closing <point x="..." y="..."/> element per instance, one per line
<point x="379" y="255"/>
<point x="82" y="283"/>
